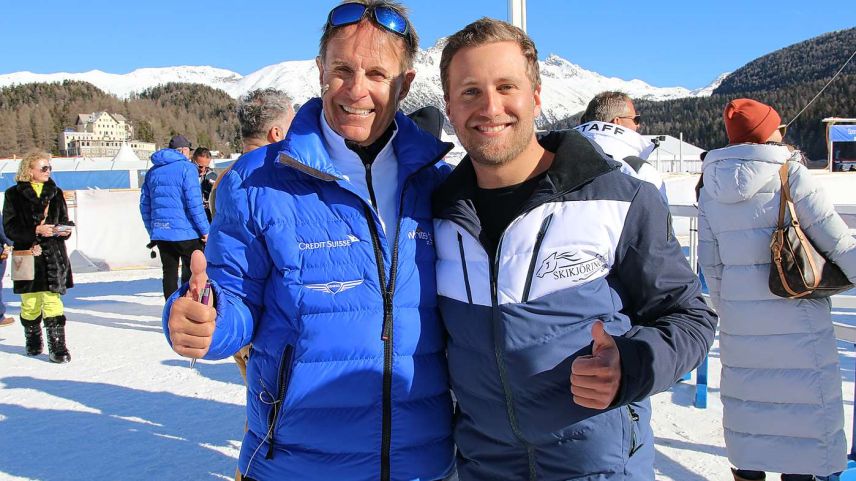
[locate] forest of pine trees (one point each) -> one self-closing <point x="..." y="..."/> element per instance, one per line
<point x="33" y="115"/>
<point x="786" y="79"/>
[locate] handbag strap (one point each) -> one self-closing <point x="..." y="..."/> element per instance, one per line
<point x="786" y="199"/>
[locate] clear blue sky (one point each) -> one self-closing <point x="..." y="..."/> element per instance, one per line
<point x="665" y="43"/>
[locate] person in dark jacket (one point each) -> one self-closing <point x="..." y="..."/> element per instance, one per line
<point x="35" y="218"/>
<point x="172" y="210"/>
<point x="201" y="158"/>
<point x="4" y="256"/>
<point x="566" y="298"/>
<point x="322" y="255"/>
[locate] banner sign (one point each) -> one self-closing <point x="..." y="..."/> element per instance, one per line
<point x="842" y="133"/>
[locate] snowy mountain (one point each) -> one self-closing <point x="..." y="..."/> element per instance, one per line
<point x="566" y="89"/>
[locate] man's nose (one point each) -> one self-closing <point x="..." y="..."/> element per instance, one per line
<point x="358" y="86"/>
<point x="491" y="104"/>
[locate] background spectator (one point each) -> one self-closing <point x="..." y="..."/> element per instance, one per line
<point x="35" y="217"/>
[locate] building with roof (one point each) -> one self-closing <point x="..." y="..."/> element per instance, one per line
<point x="101" y="134"/>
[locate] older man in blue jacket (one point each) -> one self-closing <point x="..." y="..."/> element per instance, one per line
<point x="322" y="255"/>
<point x="171" y="206"/>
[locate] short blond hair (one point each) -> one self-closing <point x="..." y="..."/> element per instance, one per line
<point x="27" y="162"/>
<point x="484" y="31"/>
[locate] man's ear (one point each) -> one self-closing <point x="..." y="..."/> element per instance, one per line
<point x="446" y="108"/>
<point x="537" y="95"/>
<point x="409" y="75"/>
<point x="320" y="66"/>
<point x="275" y="134"/>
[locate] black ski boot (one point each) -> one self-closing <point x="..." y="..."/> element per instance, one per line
<point x="55" y="327"/>
<point x="33" y="335"/>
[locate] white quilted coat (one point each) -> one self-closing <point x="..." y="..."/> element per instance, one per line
<point x="781" y="385"/>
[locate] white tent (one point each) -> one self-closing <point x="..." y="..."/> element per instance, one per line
<point x="126" y="154"/>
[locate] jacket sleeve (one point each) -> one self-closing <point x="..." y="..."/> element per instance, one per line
<point x="672" y="327"/>
<point x="238" y="266"/>
<point x="708" y="253"/>
<point x="193" y="201"/>
<point x="146" y="205"/>
<point x="817" y="216"/>
<point x="20" y="230"/>
<point x="5" y="240"/>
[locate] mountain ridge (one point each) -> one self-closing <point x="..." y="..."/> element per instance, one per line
<point x="566" y="87"/>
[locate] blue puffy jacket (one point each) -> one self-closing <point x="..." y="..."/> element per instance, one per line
<point x="347" y="376"/>
<point x="171" y="199"/>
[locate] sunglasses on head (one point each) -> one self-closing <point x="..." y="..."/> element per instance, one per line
<point x="46" y="168"/>
<point x="351" y="13"/>
<point x="783" y="129"/>
<point x="637" y="119"/>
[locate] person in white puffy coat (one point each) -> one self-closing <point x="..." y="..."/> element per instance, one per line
<point x="780" y="385"/>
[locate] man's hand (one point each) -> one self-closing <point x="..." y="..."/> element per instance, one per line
<point x="595" y="379"/>
<point x="191" y="324"/>
<point x="45" y="230"/>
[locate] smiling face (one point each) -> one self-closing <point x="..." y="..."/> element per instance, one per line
<point x="40" y="170"/>
<point x="364" y="81"/>
<point x="491" y="102"/>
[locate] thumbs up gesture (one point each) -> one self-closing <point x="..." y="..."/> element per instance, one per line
<point x="595" y="379"/>
<point x="191" y="323"/>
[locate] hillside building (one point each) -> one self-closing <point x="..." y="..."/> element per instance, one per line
<point x="101" y="134"/>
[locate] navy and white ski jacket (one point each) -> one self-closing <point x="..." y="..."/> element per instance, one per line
<point x="171" y="199"/>
<point x="591" y="243"/>
<point x="347" y="374"/>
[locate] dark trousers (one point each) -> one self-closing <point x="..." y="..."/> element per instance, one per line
<point x="760" y="475"/>
<point x="170" y="253"/>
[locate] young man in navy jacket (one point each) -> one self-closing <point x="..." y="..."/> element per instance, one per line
<point x="565" y="296"/>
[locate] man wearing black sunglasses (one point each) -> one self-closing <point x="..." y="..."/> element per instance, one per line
<point x="201" y="158"/>
<point x="322" y="255"/>
<point x="611" y="122"/>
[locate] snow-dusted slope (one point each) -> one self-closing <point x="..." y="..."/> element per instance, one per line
<point x="567" y="87"/>
<point x="123" y="85"/>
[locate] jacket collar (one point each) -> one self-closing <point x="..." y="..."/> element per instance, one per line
<point x="167" y="156"/>
<point x="48" y="192"/>
<point x="306" y="149"/>
<point x="577" y="161"/>
<point x="617" y="141"/>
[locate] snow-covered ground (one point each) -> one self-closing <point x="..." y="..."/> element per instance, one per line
<point x="128" y="408"/>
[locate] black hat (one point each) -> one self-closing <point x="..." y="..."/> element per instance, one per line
<point x="178" y="142"/>
<point x="429" y="119"/>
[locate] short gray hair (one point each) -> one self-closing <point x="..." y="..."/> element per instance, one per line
<point x="606" y="106"/>
<point x="259" y="109"/>
<point x="410" y="39"/>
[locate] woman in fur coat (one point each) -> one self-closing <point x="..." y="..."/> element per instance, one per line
<point x="35" y="218"/>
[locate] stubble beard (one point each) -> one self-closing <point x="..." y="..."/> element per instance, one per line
<point x="495" y="152"/>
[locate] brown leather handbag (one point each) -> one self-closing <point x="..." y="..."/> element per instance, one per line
<point x="798" y="270"/>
